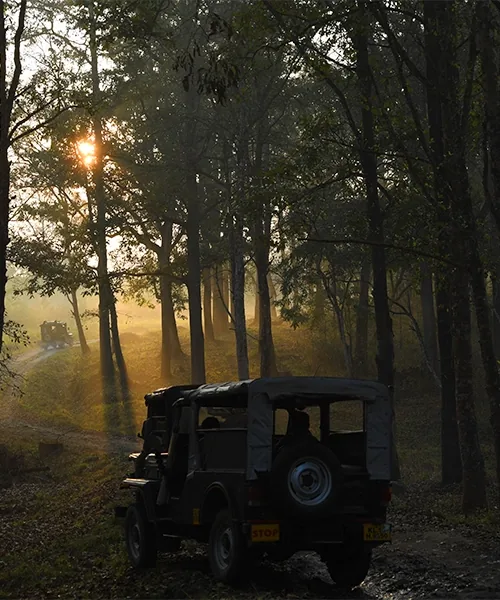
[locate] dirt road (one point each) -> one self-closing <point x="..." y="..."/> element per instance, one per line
<point x="90" y="440"/>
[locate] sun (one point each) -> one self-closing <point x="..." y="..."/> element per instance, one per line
<point x="86" y="150"/>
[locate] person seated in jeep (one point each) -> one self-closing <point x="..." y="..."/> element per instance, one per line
<point x="210" y="423"/>
<point x="300" y="424"/>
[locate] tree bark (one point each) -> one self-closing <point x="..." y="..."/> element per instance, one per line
<point x="120" y="359"/>
<point x="261" y="243"/>
<point x="451" y="462"/>
<point x="495" y="316"/>
<point x="268" y="366"/>
<point x="5" y="115"/>
<point x="170" y="333"/>
<point x="452" y="193"/>
<point x="220" y="316"/>
<point x="428" y="316"/>
<point x="273" y="297"/>
<point x="256" y="313"/>
<point x="368" y="160"/>
<point x="488" y="38"/>
<point x="238" y="294"/>
<point x="104" y="287"/>
<point x="474" y="480"/>
<point x="207" y="305"/>
<point x="84" y="347"/>
<point x="193" y="243"/>
<point x="362" y="320"/>
<point x="166" y="350"/>
<point x="225" y="290"/>
<point x="237" y="262"/>
<point x="488" y="41"/>
<point x="8" y="94"/>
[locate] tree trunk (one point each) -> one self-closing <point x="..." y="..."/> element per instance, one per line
<point x="5" y="115"/>
<point x="256" y="313"/>
<point x="100" y="242"/>
<point x="220" y="316"/>
<point x="488" y="41"/>
<point x="238" y="293"/>
<point x="474" y="481"/>
<point x="368" y="160"/>
<point x="166" y="348"/>
<point x="362" y="320"/>
<point x="319" y="294"/>
<point x="451" y="462"/>
<point x="207" y="305"/>
<point x="268" y="366"/>
<point x="273" y="297"/>
<point x="84" y="347"/>
<point x="225" y="289"/>
<point x="488" y="38"/>
<point x="193" y="243"/>
<point x="4" y="218"/>
<point x="452" y="192"/>
<point x="261" y="234"/>
<point x="120" y="360"/>
<point x="231" y="298"/>
<point x="428" y="316"/>
<point x="8" y="95"/>
<point x="495" y="316"/>
<point x="171" y="345"/>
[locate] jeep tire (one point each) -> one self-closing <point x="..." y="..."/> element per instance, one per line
<point x="227" y="549"/>
<point x="350" y="569"/>
<point x="140" y="537"/>
<point x="305" y="479"/>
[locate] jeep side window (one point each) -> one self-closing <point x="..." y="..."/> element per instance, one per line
<point x="347" y="415"/>
<point x="347" y="432"/>
<point x="280" y="421"/>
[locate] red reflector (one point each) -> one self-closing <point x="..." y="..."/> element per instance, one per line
<point x="386" y="495"/>
<point x="254" y="494"/>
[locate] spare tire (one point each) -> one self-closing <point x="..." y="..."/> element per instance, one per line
<point x="305" y="479"/>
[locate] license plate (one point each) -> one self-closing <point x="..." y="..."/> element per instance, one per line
<point x="377" y="533"/>
<point x="265" y="532"/>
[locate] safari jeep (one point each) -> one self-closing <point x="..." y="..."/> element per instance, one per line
<point x="263" y="467"/>
<point x="55" y="334"/>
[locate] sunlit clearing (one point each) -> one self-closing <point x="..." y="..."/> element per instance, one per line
<point x="86" y="150"/>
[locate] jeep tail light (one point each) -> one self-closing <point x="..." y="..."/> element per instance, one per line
<point x="386" y="495"/>
<point x="254" y="495"/>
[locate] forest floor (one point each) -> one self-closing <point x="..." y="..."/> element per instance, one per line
<point x="59" y="537"/>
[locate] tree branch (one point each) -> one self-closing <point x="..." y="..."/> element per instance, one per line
<point x="17" y="56"/>
<point x="411" y="251"/>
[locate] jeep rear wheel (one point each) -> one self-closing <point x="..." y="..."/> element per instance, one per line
<point x="348" y="570"/>
<point x="140" y="537"/>
<point x="305" y="479"/>
<point x="227" y="551"/>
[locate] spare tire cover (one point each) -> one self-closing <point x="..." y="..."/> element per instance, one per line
<point x="305" y="479"/>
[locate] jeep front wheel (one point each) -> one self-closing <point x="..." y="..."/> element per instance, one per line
<point x="226" y="549"/>
<point x="140" y="537"/>
<point x="348" y="570"/>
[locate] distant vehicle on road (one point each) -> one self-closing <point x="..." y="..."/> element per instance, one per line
<point x="55" y="334"/>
